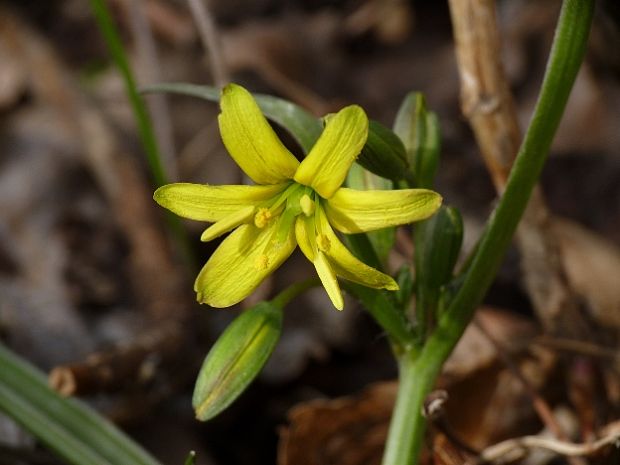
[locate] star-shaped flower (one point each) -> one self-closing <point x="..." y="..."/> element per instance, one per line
<point x="293" y="203"/>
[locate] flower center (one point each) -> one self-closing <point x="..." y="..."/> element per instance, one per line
<point x="262" y="217"/>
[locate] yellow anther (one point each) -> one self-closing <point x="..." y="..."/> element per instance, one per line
<point x="262" y="262"/>
<point x="323" y="242"/>
<point x="262" y="217"/>
<point x="307" y="205"/>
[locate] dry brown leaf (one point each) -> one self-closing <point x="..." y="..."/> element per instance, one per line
<point x="344" y="431"/>
<point x="486" y="401"/>
<point x="592" y="267"/>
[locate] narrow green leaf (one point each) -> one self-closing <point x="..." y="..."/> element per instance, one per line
<point x="145" y="128"/>
<point x="236" y="359"/>
<point x="69" y="428"/>
<point x="304" y="127"/>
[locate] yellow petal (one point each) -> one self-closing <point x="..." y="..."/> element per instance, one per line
<point x="347" y="266"/>
<point x="304" y="233"/>
<point x="327" y="164"/>
<point x="352" y="211"/>
<point x="329" y="280"/>
<point x="212" y="203"/>
<point x="250" y="140"/>
<point x="229" y="223"/>
<point x="246" y="257"/>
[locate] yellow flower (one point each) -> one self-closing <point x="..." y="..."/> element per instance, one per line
<point x="292" y="203"/>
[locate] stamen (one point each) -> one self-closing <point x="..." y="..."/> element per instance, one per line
<point x="323" y="242"/>
<point x="261" y="219"/>
<point x="307" y="205"/>
<point x="262" y="262"/>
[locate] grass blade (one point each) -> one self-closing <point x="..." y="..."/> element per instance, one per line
<point x="71" y="429"/>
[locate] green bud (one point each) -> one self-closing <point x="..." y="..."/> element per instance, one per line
<point x="236" y="359"/>
<point x="420" y="133"/>
<point x="405" y="286"/>
<point x="437" y="245"/>
<point x="384" y="153"/>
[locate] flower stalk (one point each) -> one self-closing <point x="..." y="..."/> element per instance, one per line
<point x="417" y="377"/>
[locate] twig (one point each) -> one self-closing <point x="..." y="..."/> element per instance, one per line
<point x="579" y="347"/>
<point x="488" y="105"/>
<point x="210" y="40"/>
<point x="513" y="449"/>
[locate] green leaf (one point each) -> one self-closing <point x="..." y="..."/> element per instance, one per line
<point x="236" y="359"/>
<point x="304" y="127"/>
<point x="384" y="153"/>
<point x="420" y="133"/>
<point x="71" y="429"/>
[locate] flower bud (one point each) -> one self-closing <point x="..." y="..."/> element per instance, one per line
<point x="236" y="359"/>
<point x="438" y="243"/>
<point x="384" y="153"/>
<point x="419" y="131"/>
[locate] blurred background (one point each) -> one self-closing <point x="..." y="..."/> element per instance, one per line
<point x="93" y="291"/>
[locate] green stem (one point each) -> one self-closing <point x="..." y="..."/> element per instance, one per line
<point x="404" y="441"/>
<point x="565" y="58"/>
<point x="145" y="128"/>
<point x="288" y="294"/>
<point x="387" y="315"/>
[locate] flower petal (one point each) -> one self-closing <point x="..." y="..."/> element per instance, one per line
<point x="351" y="211"/>
<point x="212" y="203"/>
<point x="327" y="164"/>
<point x="304" y="233"/>
<point x="347" y="266"/>
<point x="250" y="140"/>
<point x="240" y="263"/>
<point x="244" y="215"/>
<point x="328" y="279"/>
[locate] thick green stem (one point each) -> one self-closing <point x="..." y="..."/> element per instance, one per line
<point x="407" y="423"/>
<point x="566" y="55"/>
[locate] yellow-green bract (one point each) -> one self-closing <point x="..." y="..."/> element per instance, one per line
<point x="236" y="359"/>
<point x="293" y="203"/>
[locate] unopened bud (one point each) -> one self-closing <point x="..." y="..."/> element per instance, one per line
<point x="236" y="359"/>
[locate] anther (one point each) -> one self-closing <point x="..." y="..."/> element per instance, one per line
<point x="262" y="262"/>
<point x="262" y="217"/>
<point x="307" y="205"/>
<point x="323" y="242"/>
